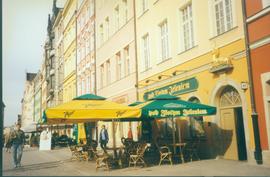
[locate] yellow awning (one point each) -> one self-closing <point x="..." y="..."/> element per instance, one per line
<point x="79" y="111"/>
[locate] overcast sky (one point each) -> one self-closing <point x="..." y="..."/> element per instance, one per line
<point x="24" y="32"/>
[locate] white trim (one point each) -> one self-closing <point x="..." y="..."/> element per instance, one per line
<point x="260" y="43"/>
<point x="214" y="100"/>
<point x="258" y="15"/>
<point x="264" y="78"/>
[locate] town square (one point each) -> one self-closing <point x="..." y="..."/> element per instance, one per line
<point x="136" y="88"/>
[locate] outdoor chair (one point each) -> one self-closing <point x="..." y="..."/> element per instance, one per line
<point x="138" y="156"/>
<point x="102" y="160"/>
<point x="165" y="154"/>
<point x="78" y="154"/>
<point x="191" y="149"/>
<point x="91" y="148"/>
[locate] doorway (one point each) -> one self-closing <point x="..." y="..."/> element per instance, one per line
<point x="232" y="133"/>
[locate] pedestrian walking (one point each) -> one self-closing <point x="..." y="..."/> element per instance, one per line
<point x="103" y="138"/>
<point x="17" y="139"/>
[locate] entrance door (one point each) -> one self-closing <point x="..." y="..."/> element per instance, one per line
<point x="241" y="140"/>
<point x="228" y="134"/>
<point x="233" y="145"/>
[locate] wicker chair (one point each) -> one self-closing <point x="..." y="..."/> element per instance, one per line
<point x="78" y="154"/>
<point x="138" y="156"/>
<point x="102" y="160"/>
<point x="165" y="154"/>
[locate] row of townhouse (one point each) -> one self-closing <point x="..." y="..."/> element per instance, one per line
<point x="202" y="51"/>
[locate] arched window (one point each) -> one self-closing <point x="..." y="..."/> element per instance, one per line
<point x="229" y="97"/>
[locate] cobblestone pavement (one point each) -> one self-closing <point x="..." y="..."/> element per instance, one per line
<point x="57" y="163"/>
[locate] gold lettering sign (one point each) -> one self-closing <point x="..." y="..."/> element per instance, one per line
<point x="153" y="113"/>
<point x="174" y="89"/>
<point x="221" y="61"/>
<point x="169" y="113"/>
<point x="194" y="112"/>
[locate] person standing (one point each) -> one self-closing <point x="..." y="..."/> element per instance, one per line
<point x="103" y="138"/>
<point x="17" y="139"/>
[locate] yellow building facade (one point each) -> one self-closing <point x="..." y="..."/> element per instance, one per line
<point x="196" y="50"/>
<point x="69" y="20"/>
<point x="116" y="61"/>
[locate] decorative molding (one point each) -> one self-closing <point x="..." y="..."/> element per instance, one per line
<point x="258" y="15"/>
<point x="260" y="43"/>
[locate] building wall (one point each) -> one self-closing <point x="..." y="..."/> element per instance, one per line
<point x="28" y="104"/>
<point x="197" y="60"/>
<point x="115" y="36"/>
<point x="37" y="97"/>
<point x="259" y="43"/>
<point x="43" y="87"/>
<point x="85" y="48"/>
<point x="69" y="20"/>
<point x="59" y="57"/>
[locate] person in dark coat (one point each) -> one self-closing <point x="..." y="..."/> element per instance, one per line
<point x="103" y="138"/>
<point x="17" y="139"/>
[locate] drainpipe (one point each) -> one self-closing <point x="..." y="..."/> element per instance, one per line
<point x="136" y="57"/>
<point x="1" y="82"/>
<point x="95" y="58"/>
<point x="254" y="114"/>
<point x="136" y="50"/>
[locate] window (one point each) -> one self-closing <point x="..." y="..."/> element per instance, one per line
<point x="125" y="11"/>
<point x="87" y="45"/>
<point x="116" y="15"/>
<point x="265" y="3"/>
<point x="164" y="40"/>
<point x="144" y="5"/>
<point x="93" y="82"/>
<point x="107" y="23"/>
<point x="119" y="66"/>
<point x="83" y="86"/>
<point x="101" y="75"/>
<point x="127" y="60"/>
<point x="145" y="52"/>
<point x="108" y="72"/>
<point x="88" y="84"/>
<point x="223" y="16"/>
<point x="92" y="42"/>
<point x="101" y="32"/>
<point x="91" y="7"/>
<point x="187" y="27"/>
<point x="79" y="55"/>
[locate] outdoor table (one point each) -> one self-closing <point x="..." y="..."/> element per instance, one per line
<point x="116" y="155"/>
<point x="181" y="147"/>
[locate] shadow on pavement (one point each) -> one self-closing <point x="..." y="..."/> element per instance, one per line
<point x="38" y="166"/>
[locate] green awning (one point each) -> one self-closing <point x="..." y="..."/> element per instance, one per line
<point x="164" y="106"/>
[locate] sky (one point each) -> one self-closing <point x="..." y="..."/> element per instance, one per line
<point x="24" y="33"/>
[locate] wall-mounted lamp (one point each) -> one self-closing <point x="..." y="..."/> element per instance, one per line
<point x="138" y="85"/>
<point x="178" y="71"/>
<point x="150" y="80"/>
<point x="244" y="85"/>
<point x="159" y="77"/>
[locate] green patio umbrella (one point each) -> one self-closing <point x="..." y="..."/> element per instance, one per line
<point x="169" y="106"/>
<point x="166" y="105"/>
